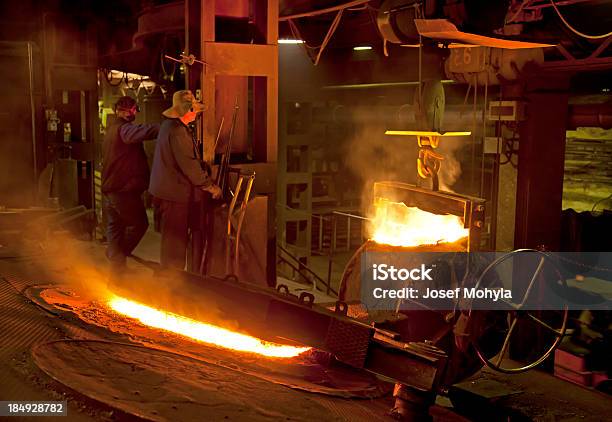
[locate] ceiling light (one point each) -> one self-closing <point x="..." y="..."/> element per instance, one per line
<point x="362" y="47"/>
<point x="289" y="41"/>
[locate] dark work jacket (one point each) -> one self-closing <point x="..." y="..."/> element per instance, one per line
<point x="125" y="167"/>
<point x="176" y="170"/>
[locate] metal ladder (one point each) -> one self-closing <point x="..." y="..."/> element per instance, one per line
<point x="234" y="222"/>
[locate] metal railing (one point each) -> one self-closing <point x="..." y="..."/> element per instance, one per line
<point x="324" y="249"/>
<point x="349" y="218"/>
<point x="333" y="220"/>
<point x="306" y="273"/>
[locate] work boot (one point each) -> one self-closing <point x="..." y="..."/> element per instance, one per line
<point x="116" y="271"/>
<point x="121" y="276"/>
<point x="117" y="262"/>
<point x="115" y="257"/>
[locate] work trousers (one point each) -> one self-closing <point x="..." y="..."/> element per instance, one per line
<point x="174" y="226"/>
<point x="127" y="224"/>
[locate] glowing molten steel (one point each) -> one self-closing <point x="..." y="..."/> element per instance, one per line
<point x="398" y="225"/>
<point x="200" y="331"/>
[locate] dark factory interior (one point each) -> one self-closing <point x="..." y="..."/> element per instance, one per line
<point x="308" y="210"/>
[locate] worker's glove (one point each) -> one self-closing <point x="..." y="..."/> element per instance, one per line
<point x="214" y="190"/>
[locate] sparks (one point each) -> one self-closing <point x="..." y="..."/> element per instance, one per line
<point x="200" y="331"/>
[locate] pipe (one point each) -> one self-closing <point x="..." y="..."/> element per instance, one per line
<point x="590" y="115"/>
<point x="33" y="118"/>
<point x="187" y="50"/>
<point x="380" y="85"/>
<point x="323" y="11"/>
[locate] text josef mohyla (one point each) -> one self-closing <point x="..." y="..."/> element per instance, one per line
<point x="494" y="294"/>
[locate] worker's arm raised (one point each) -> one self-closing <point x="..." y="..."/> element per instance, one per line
<point x="131" y="133"/>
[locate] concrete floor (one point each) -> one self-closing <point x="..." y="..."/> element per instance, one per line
<point x="533" y="395"/>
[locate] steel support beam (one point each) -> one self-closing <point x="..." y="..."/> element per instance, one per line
<point x="594" y="62"/>
<point x="541" y="164"/>
<point x="256" y="60"/>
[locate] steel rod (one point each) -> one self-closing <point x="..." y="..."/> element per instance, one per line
<point x="323" y="11"/>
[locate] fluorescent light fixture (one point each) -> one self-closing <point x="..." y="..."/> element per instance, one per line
<point x="425" y="133"/>
<point x="362" y="47"/>
<point x="289" y="41"/>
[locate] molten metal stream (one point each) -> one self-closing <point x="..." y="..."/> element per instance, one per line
<point x="200" y="331"/>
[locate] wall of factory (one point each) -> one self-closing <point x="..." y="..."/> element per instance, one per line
<point x="21" y="125"/>
<point x="64" y="36"/>
<point x="21" y="121"/>
<point x="48" y="70"/>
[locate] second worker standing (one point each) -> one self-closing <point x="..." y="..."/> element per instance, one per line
<point x="176" y="173"/>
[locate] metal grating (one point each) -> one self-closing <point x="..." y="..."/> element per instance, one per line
<point x="23" y="326"/>
<point x="348" y="342"/>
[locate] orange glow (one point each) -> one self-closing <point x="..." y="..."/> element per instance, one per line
<point x="200" y="331"/>
<point x="398" y="225"/>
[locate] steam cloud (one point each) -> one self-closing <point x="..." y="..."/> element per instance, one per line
<point x="373" y="156"/>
